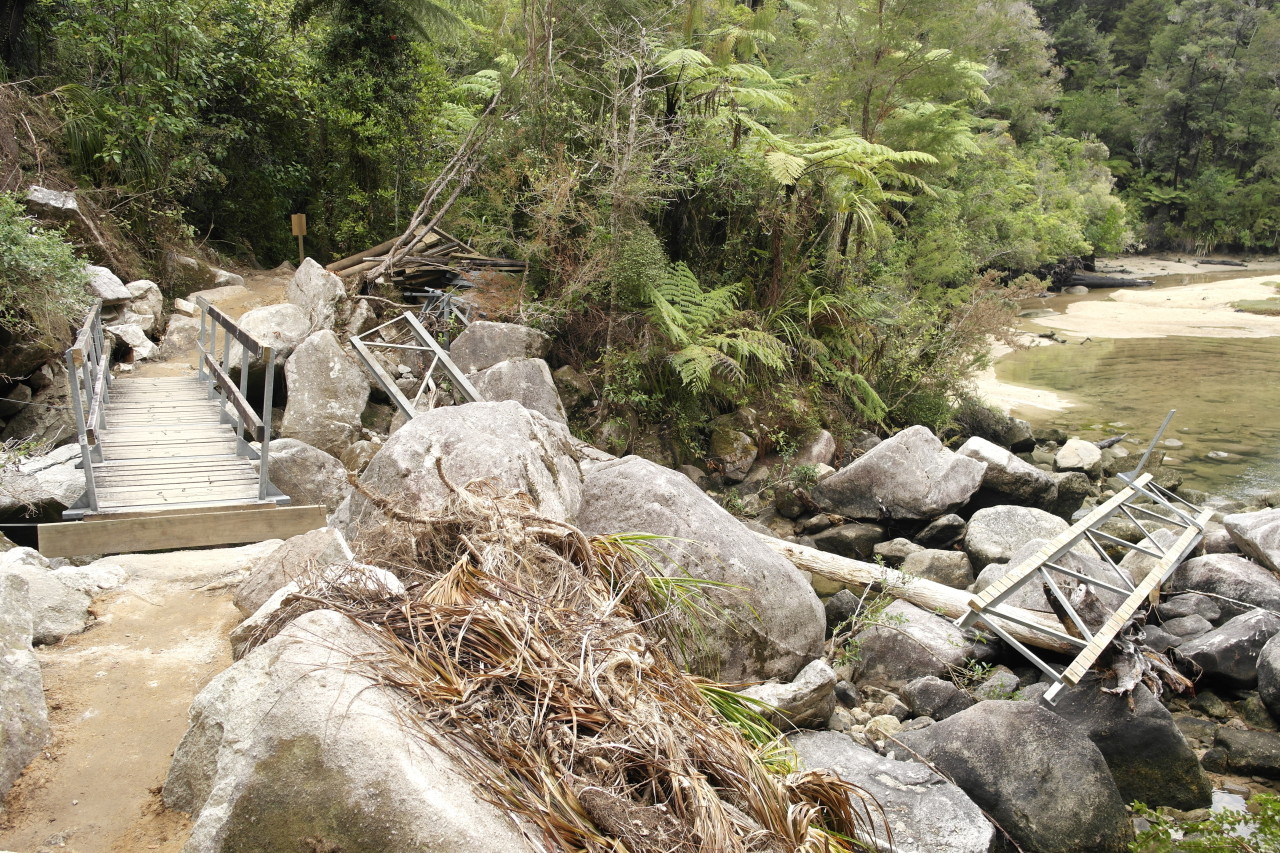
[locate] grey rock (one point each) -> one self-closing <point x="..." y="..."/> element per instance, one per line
<point x="299" y="555"/>
<point x="1074" y="489"/>
<point x="14" y="399"/>
<point x="300" y="741"/>
<point x="94" y="579"/>
<point x="1231" y="651"/>
<point x="1188" y="604"/>
<point x="1269" y="675"/>
<point x="1188" y="627"/>
<point x="1258" y="535"/>
<point x="1149" y="758"/>
<point x="816" y="448"/>
<point x="909" y="476"/>
<point x="317" y="292"/>
<point x="841" y="607"/>
<point x="327" y="394"/>
<point x="1078" y="455"/>
<point x="308" y="475"/>
<point x="911" y="642"/>
<point x="1217" y="540"/>
<point x="855" y="541"/>
<point x="106" y="285"/>
<point x="135" y="337"/>
<point x="734" y="450"/>
<point x="57" y="610"/>
<point x="951" y="568"/>
<point x="47" y="483"/>
<point x="527" y="381"/>
<point x="1018" y="437"/>
<point x="282" y="327"/>
<point x="48" y="419"/>
<point x="995" y="533"/>
<point x="893" y="552"/>
<point x="936" y="698"/>
<point x="1008" y="475"/>
<point x="24" y="718"/>
<point x="147" y="304"/>
<point x="1002" y="683"/>
<point x="1243" y="752"/>
<point x="771" y="625"/>
<point x="1056" y="796"/>
<point x="180" y="338"/>
<point x="1158" y="640"/>
<point x="1196" y="730"/>
<point x="518" y="449"/>
<point x="1138" y="564"/>
<point x="1241" y="584"/>
<point x="925" y="813"/>
<point x="46" y="203"/>
<point x="358" y="456"/>
<point x="483" y="344"/>
<point x="805" y="702"/>
<point x="942" y="532"/>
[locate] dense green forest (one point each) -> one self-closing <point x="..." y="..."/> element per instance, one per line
<point x="821" y="209"/>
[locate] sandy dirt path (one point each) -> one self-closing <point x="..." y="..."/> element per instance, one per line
<point x="118" y="697"/>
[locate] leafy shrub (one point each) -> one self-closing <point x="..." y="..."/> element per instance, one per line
<point x="1226" y="831"/>
<point x="42" y="282"/>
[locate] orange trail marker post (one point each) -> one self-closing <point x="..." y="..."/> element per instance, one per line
<point x="299" y="221"/>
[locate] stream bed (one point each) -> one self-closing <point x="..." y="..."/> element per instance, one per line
<point x="1226" y="391"/>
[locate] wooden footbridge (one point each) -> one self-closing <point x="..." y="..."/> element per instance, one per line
<point x="168" y="460"/>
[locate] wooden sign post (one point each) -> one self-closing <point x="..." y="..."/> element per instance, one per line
<point x="299" y="221"/>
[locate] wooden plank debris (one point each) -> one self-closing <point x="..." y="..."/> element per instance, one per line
<point x="160" y="532"/>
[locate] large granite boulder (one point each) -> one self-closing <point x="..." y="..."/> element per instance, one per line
<point x="527" y="381"/>
<point x="317" y="292"/>
<point x="518" y="449"/>
<point x="996" y="533"/>
<point x="327" y="394"/>
<point x="57" y="610"/>
<point x="106" y="285"/>
<point x="48" y="419"/>
<point x="483" y="344"/>
<point x="1244" y="752"/>
<point x="909" y="642"/>
<point x="768" y="622"/>
<point x="910" y="476"/>
<point x="45" y="484"/>
<point x="1079" y="455"/>
<point x="1231" y="651"/>
<point x="804" y="703"/>
<point x="24" y="718"/>
<point x="308" y="475"/>
<point x="180" y="338"/>
<point x="934" y="697"/>
<point x="1007" y="475"/>
<point x="282" y="327"/>
<point x="300" y="746"/>
<point x="1269" y="675"/>
<point x="1149" y="758"/>
<point x="1257" y="534"/>
<point x="300" y="555"/>
<point x="925" y="812"/>
<point x="146" y="305"/>
<point x="1238" y="585"/>
<point x="1041" y="780"/>
<point x="950" y="568"/>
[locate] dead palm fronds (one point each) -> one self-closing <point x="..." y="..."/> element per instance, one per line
<point x="543" y="661"/>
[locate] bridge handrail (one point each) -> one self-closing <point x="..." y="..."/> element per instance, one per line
<point x="89" y="381"/>
<point x="216" y="369"/>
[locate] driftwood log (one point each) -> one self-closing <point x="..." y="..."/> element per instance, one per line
<point x="1221" y="263"/>
<point x="952" y="603"/>
<point x="1091" y="280"/>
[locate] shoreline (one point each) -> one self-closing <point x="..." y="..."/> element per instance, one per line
<point x="1190" y="310"/>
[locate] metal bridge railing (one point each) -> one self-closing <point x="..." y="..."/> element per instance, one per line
<point x="215" y="367"/>
<point x="89" y="378"/>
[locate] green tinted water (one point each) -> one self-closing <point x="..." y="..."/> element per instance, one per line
<point x="1226" y="391"/>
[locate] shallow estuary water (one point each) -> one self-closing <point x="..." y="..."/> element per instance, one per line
<point x="1226" y="391"/>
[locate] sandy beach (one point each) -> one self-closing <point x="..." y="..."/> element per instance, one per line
<point x="1197" y="310"/>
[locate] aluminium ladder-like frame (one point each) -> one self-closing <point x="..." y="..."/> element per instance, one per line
<point x="990" y="608"/>
<point x="364" y="345"/>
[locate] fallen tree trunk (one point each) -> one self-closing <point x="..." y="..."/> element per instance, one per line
<point x="1221" y="263"/>
<point x="952" y="603"/>
<point x="1092" y="280"/>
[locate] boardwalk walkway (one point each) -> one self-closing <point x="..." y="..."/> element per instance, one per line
<point x="173" y="461"/>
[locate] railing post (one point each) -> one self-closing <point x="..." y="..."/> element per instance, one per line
<point x="268" y="358"/>
<point x="204" y="313"/>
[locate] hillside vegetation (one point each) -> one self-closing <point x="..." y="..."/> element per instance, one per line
<point x="819" y="209"/>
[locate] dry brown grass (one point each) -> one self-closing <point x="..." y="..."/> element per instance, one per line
<point x="542" y="659"/>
